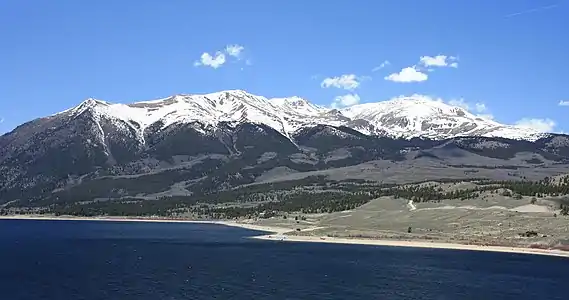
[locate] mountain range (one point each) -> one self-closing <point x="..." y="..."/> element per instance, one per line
<point x="402" y="117"/>
<point x="199" y="144"/>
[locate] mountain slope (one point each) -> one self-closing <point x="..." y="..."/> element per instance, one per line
<point x="199" y="144"/>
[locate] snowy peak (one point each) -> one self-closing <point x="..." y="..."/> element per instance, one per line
<point x="87" y="104"/>
<point x="92" y="102"/>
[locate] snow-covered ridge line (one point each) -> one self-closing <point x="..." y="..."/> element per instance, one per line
<point x="402" y="117"/>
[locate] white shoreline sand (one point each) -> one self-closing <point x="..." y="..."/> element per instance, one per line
<point x="416" y="244"/>
<point x="278" y="234"/>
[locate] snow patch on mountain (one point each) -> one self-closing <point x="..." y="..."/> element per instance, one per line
<point x="298" y="106"/>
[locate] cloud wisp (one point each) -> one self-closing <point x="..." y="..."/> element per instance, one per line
<point x="541" y="125"/>
<point x="345" y="100"/>
<point x="234" y="50"/>
<point x="347" y="82"/>
<point x="439" y="61"/>
<point x="563" y="103"/>
<point x="215" y="61"/>
<point x="532" y="10"/>
<point x="219" y="58"/>
<point x="384" y="64"/>
<point x="478" y="108"/>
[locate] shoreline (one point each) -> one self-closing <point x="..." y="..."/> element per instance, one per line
<point x="270" y="229"/>
<point x="416" y="244"/>
<point x="279" y="234"/>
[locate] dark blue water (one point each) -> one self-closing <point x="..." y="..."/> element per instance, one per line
<point x="151" y="261"/>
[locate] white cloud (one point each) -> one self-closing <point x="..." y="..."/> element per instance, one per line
<point x="346" y="100"/>
<point x="409" y="74"/>
<point x="533" y="10"/>
<point x="439" y="61"/>
<point x="460" y="103"/>
<point x="417" y="73"/>
<point x="477" y="107"/>
<point x="234" y="50"/>
<point x="480" y="107"/>
<point x="347" y="82"/>
<point x="381" y="66"/>
<point x="1" y="120"/>
<point x="214" y="61"/>
<point x="541" y="125"/>
<point x="220" y="57"/>
<point x="564" y="103"/>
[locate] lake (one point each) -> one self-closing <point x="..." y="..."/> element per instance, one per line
<point x="41" y="259"/>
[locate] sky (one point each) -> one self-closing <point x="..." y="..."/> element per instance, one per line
<point x="507" y="60"/>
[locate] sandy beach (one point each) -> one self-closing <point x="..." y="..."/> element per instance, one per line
<point x="279" y="234"/>
<point x="414" y="244"/>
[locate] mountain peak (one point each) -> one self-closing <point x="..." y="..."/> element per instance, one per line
<point x="93" y="102"/>
<point x="87" y="104"/>
<point x="228" y="93"/>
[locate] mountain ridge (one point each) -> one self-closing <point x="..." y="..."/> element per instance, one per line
<point x="400" y="117"/>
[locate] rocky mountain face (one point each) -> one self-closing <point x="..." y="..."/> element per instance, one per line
<point x="192" y="145"/>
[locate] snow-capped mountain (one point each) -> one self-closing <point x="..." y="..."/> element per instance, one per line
<point x="200" y="144"/>
<point x="403" y="117"/>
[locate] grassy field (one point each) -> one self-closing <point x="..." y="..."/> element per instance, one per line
<point x="491" y="219"/>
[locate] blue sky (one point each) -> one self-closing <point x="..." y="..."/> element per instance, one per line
<point x="512" y="56"/>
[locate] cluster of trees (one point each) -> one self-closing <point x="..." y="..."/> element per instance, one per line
<point x="323" y="202"/>
<point x="542" y="188"/>
<point x="350" y="195"/>
<point x="431" y="193"/>
<point x="123" y="207"/>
